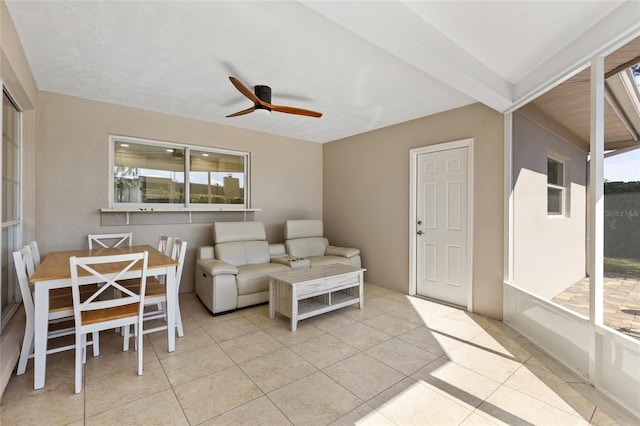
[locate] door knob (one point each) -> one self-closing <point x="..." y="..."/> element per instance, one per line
<point x="420" y="232"/>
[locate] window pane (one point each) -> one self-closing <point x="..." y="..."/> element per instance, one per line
<point x="622" y="243"/>
<point x="554" y="201"/>
<point x="216" y="178"/>
<point x="555" y="172"/>
<point x="10" y="161"/>
<point x="9" y="289"/>
<point x="147" y="174"/>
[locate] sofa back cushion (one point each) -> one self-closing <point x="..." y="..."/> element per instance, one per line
<point x="224" y="232"/>
<point x="240" y="253"/>
<point x="241" y="243"/>
<point x="307" y="247"/>
<point x="302" y="229"/>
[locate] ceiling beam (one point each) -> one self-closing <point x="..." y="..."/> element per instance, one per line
<point x="396" y="29"/>
<point x="614" y="30"/>
<point x="622" y="67"/>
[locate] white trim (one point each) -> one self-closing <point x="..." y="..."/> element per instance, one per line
<point x="596" y="220"/>
<point x="413" y="182"/>
<point x="508" y="198"/>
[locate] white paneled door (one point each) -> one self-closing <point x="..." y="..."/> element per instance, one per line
<point x="442" y="204"/>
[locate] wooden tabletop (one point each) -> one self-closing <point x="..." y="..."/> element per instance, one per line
<point x="314" y="273"/>
<point x="56" y="264"/>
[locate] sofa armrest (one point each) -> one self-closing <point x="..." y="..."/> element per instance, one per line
<point x="217" y="267"/>
<point x="205" y="252"/>
<point x="342" y="251"/>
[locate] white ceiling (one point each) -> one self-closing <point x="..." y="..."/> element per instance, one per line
<point x="365" y="65"/>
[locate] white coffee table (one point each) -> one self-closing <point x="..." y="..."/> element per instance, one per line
<point x="304" y="293"/>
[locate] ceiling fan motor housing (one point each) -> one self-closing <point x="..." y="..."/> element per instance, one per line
<point x="263" y="93"/>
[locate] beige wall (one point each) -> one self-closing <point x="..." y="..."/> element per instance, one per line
<point x="549" y="251"/>
<point x="366" y="197"/>
<point x="18" y="79"/>
<point x="73" y="157"/>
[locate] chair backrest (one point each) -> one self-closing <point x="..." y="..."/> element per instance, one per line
<point x="165" y="244"/>
<point x="35" y="253"/>
<point x="177" y="254"/>
<point x="90" y="270"/>
<point x="110" y="240"/>
<point x="22" y="260"/>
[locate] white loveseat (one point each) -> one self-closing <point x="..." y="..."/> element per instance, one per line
<point x="233" y="273"/>
<point x="304" y="239"/>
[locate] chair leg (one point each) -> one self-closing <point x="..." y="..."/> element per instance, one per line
<point x="179" y="323"/>
<point x="127" y="336"/>
<point x="95" y="339"/>
<point x="78" y="350"/>
<point x="136" y="333"/>
<point x="84" y="348"/>
<point x="27" y="349"/>
<point x="139" y="337"/>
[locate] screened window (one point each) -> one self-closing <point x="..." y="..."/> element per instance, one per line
<point x="555" y="186"/>
<point x="147" y="173"/>
<point x="11" y="224"/>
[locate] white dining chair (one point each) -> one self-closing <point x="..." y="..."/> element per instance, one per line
<point x="35" y="252"/>
<point x="156" y="294"/>
<point x="122" y="239"/>
<point x="60" y="311"/>
<point x="165" y="244"/>
<point x="95" y="314"/>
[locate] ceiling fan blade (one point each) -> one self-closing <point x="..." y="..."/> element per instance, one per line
<point x="243" y="112"/>
<point x="293" y="110"/>
<point x="245" y="90"/>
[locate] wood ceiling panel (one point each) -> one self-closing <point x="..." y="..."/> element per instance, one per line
<point x="568" y="104"/>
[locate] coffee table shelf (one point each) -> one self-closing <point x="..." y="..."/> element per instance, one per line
<point x="315" y="306"/>
<point x="304" y="293"/>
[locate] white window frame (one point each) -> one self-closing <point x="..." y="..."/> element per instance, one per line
<point x="10" y="310"/>
<point x="562" y="188"/>
<point x="187" y="150"/>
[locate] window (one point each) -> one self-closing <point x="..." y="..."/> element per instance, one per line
<point x="11" y="207"/>
<point x="555" y="187"/>
<point x="149" y="174"/>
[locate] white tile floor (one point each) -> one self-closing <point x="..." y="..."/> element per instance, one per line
<point x="400" y="361"/>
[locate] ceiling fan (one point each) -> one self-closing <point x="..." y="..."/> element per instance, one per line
<point x="262" y="101"/>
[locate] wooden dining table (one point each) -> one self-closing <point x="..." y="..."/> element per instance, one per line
<point x="54" y="272"/>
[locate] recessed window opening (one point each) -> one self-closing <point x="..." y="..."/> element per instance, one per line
<point x="152" y="174"/>
<point x="555" y="187"/>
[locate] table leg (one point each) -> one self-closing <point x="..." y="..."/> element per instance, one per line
<point x="361" y="290"/>
<point x="41" y="303"/>
<point x="272" y="291"/>
<point x="172" y="303"/>
<point x="294" y="309"/>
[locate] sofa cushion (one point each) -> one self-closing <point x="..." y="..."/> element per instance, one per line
<point x="329" y="260"/>
<point x="302" y="229"/>
<point x="307" y="247"/>
<point x="253" y="278"/>
<point x="241" y="253"/>
<point x="224" y="232"/>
